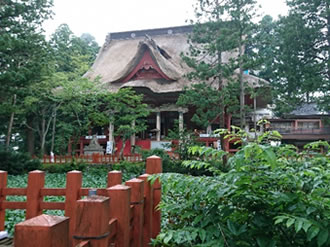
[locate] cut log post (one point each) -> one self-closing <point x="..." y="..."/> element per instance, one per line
<point x="114" y="178"/>
<point x="137" y="200"/>
<point x="154" y="166"/>
<point x="42" y="231"/>
<point x="92" y="221"/>
<point x="121" y="210"/>
<point x="3" y="185"/>
<point x="36" y="181"/>
<point x="148" y="203"/>
<point x="73" y="186"/>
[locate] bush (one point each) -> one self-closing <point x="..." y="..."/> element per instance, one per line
<point x="17" y="163"/>
<point x="63" y="168"/>
<point x="173" y="165"/>
<point x="271" y="196"/>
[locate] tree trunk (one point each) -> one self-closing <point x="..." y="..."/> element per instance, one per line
<point x="53" y="130"/>
<point x="241" y="83"/>
<point x="328" y="36"/>
<point x="11" y="123"/>
<point x="121" y="153"/>
<point x="30" y="138"/>
<point x="255" y="116"/>
<point x="42" y="132"/>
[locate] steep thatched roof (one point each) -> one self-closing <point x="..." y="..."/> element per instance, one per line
<point x="123" y="51"/>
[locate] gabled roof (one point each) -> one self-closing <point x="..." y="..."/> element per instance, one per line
<point x="123" y="51"/>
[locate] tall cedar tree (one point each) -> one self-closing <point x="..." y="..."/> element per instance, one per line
<point x="316" y="14"/>
<point x="221" y="29"/>
<point x="23" y="53"/>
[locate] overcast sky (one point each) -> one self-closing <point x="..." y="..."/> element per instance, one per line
<point x="99" y="17"/>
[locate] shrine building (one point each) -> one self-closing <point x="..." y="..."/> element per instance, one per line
<point x="149" y="61"/>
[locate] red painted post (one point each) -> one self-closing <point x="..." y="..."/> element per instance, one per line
<point x="114" y="178"/>
<point x="148" y="203"/>
<point x="137" y="195"/>
<point x="42" y="231"/>
<point x="36" y="181"/>
<point x="121" y="210"/>
<point x="73" y="185"/>
<point x="3" y="185"/>
<point x="92" y="221"/>
<point x="154" y="166"/>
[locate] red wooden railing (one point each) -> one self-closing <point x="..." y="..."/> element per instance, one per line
<point x="129" y="211"/>
<point x="90" y="158"/>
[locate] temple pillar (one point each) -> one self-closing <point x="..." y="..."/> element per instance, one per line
<point x="180" y="122"/>
<point x="158" y="122"/>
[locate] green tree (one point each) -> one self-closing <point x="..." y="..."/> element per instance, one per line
<point x="125" y="110"/>
<point x="24" y="53"/>
<point x="217" y="57"/>
<point x="67" y="47"/>
<point x="299" y="70"/>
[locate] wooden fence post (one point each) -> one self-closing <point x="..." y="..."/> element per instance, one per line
<point x="114" y="178"/>
<point x="72" y="194"/>
<point x="154" y="166"/>
<point x="92" y="221"/>
<point x="3" y="185"/>
<point x="121" y="210"/>
<point x="148" y="202"/>
<point x="137" y="195"/>
<point x="43" y="230"/>
<point x="36" y="181"/>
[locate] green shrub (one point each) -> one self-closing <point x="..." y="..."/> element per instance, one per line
<point x="172" y="165"/>
<point x="63" y="168"/>
<point x="17" y="163"/>
<point x="271" y="196"/>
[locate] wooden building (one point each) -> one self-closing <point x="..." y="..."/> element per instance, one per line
<point x="150" y="62"/>
<point x="303" y="125"/>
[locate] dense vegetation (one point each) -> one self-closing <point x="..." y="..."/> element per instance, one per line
<point x="271" y="196"/>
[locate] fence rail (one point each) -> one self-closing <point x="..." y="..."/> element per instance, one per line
<point x="90" y="158"/>
<point x="130" y="219"/>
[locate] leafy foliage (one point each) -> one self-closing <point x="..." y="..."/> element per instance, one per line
<point x="271" y="196"/>
<point x="17" y="163"/>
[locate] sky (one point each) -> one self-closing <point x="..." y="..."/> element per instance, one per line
<point x="100" y="17"/>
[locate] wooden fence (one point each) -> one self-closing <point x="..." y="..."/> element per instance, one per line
<point x="90" y="158"/>
<point x="119" y="215"/>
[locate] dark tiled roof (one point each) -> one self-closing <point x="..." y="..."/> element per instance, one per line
<point x="308" y="109"/>
<point x="150" y="32"/>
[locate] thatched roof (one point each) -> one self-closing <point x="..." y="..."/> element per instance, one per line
<point x="123" y="51"/>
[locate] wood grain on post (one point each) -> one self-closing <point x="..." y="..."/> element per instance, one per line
<point x="3" y="185"/>
<point x="121" y="210"/>
<point x="148" y="203"/>
<point x="36" y="181"/>
<point x="154" y="166"/>
<point x="42" y="231"/>
<point x="114" y="178"/>
<point x="92" y="221"/>
<point x="137" y="200"/>
<point x="73" y="185"/>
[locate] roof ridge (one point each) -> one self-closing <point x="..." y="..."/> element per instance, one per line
<point x="152" y="32"/>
